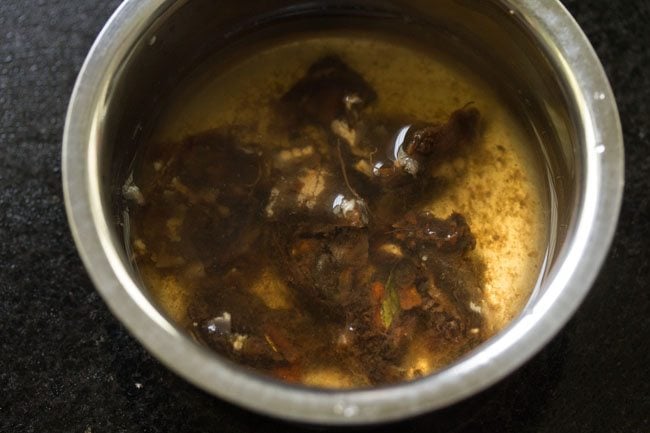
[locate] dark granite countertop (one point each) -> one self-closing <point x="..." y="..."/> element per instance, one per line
<point x="67" y="365"/>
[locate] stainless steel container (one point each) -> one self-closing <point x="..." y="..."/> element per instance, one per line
<point x="148" y="45"/>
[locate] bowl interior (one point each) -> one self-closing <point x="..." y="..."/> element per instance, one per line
<point x="503" y="40"/>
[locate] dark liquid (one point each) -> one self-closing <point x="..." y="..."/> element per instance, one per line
<point x="318" y="211"/>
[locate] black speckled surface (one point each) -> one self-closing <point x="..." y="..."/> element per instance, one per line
<point x="66" y="365"/>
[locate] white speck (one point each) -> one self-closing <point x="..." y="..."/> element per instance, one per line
<point x="474" y="331"/>
<point x="220" y="324"/>
<point x="410" y="165"/>
<point x="376" y="169"/>
<point x="273" y="197"/>
<point x="88" y="430"/>
<point x="152" y="40"/>
<point x="600" y="148"/>
<point x="599" y="96"/>
<point x="338" y="202"/>
<point x="347" y="208"/>
<point x="475" y="308"/>
<point x="238" y="341"/>
<point x="351" y="100"/>
<point x="130" y="191"/>
<point x="511" y="12"/>
<point x="138" y="385"/>
<point x="425" y="258"/>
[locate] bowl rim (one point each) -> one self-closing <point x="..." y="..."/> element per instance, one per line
<point x="596" y="221"/>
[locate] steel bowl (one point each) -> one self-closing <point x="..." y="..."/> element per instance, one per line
<point x="149" y="45"/>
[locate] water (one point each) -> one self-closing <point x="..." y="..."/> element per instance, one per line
<point x="301" y="240"/>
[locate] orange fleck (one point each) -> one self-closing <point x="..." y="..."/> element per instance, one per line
<point x="409" y="298"/>
<point x="289" y="373"/>
<point x="304" y="246"/>
<point x="377" y="292"/>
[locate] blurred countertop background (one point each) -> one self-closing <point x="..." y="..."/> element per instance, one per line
<point x="67" y="365"/>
